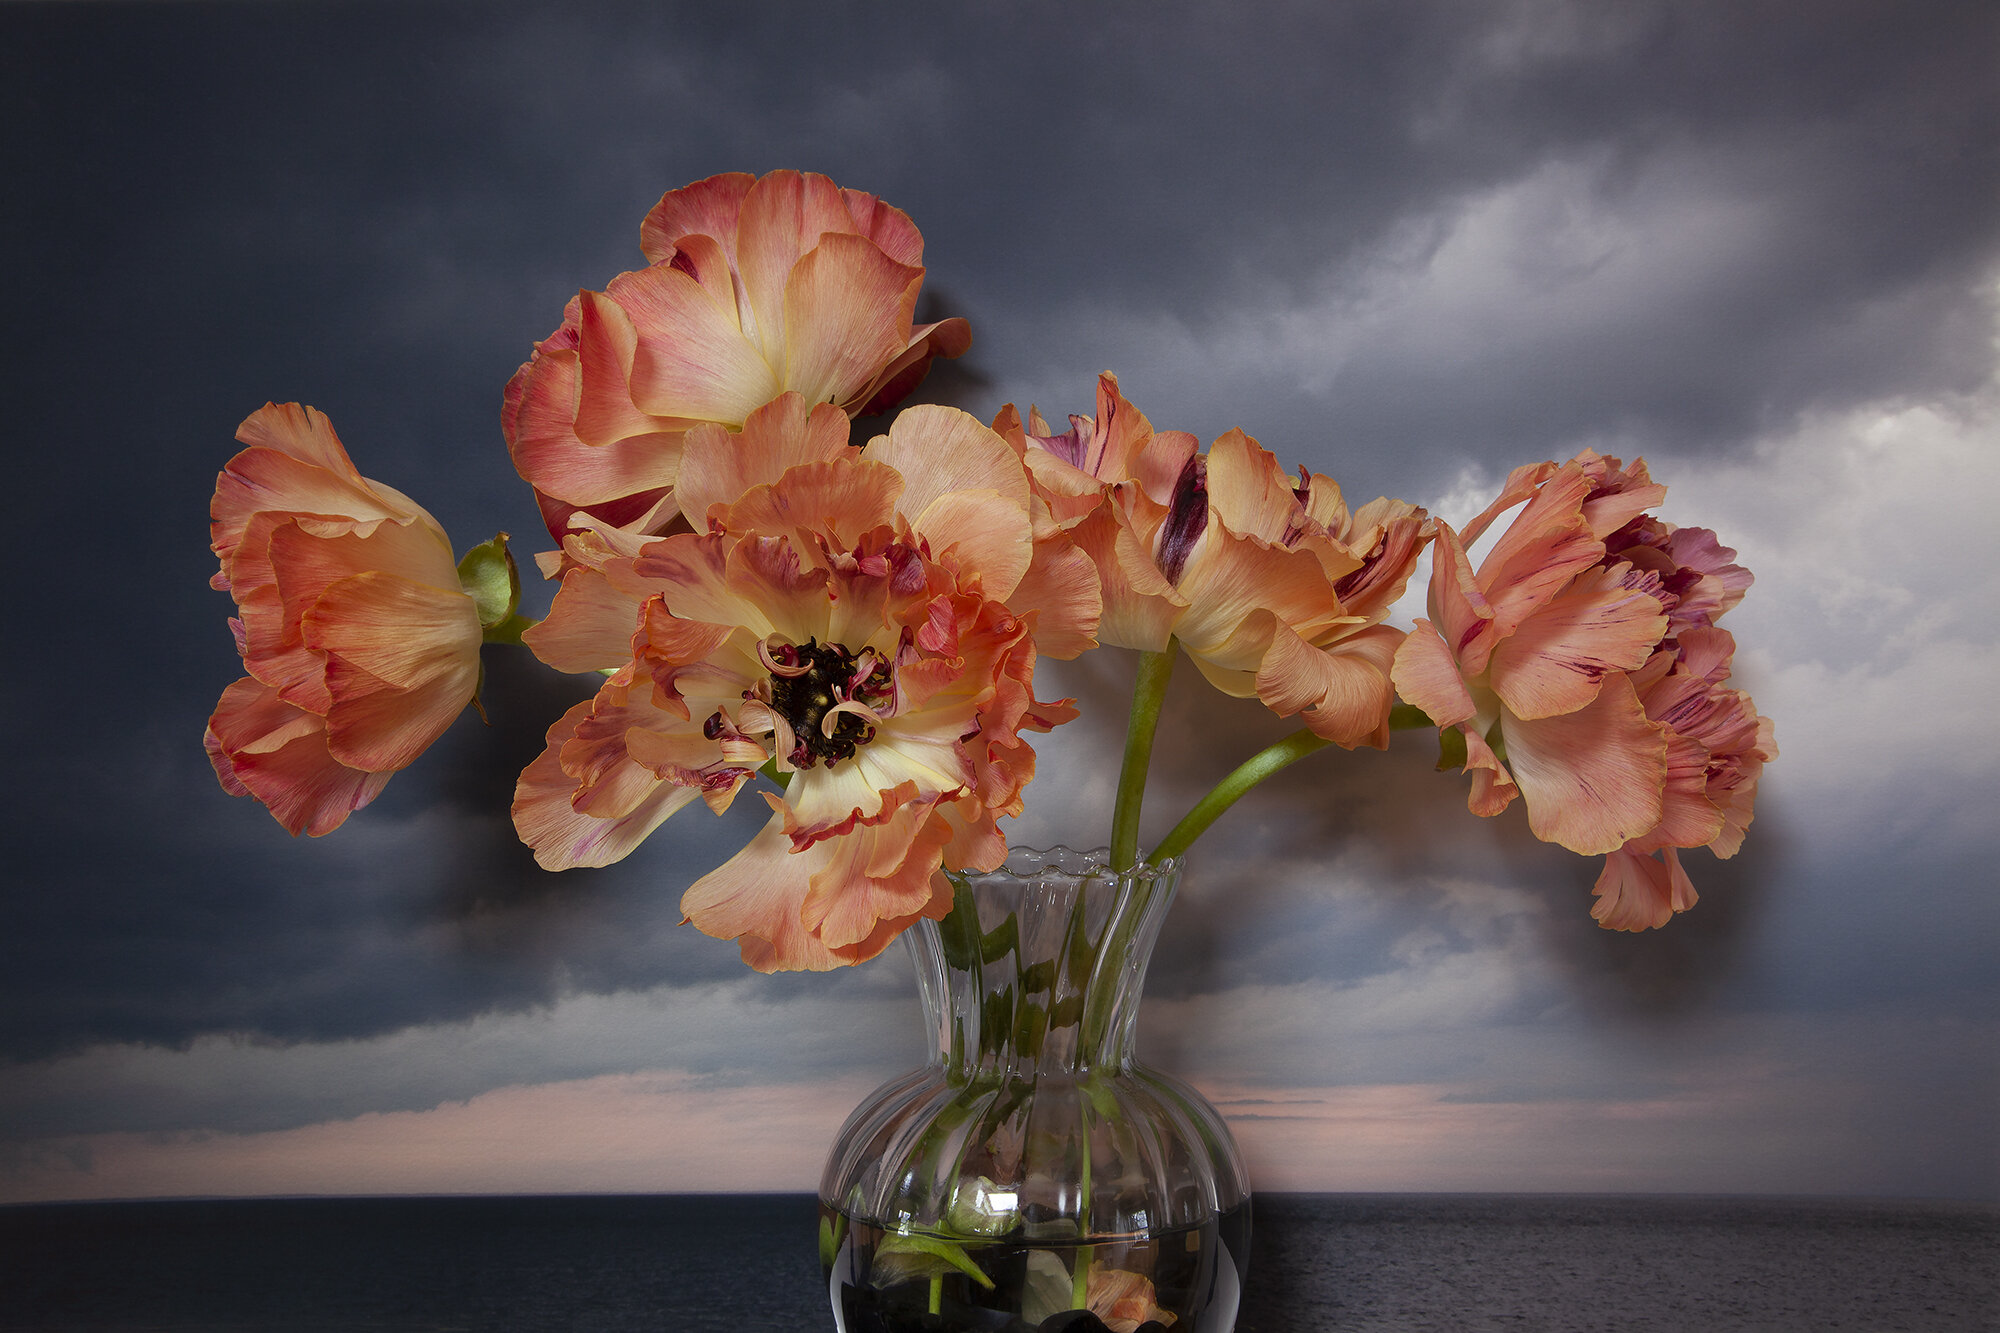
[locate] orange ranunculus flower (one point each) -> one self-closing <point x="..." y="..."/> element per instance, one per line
<point x="1272" y="585"/>
<point x="865" y="621"/>
<point x="755" y="286"/>
<point x="1580" y="671"/>
<point x="360" y="643"/>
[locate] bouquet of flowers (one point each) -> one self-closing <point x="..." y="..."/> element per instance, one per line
<point x="859" y="623"/>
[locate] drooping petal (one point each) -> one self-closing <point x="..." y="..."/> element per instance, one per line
<point x="1593" y="779"/>
<point x="1639" y="892"/>
<point x="881" y="872"/>
<point x="1493" y="789"/>
<point x="1342" y="692"/>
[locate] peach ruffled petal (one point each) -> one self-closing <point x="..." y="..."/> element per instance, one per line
<point x="1060" y="592"/>
<point x="564" y="838"/>
<point x="402" y="664"/>
<point x="1140" y="606"/>
<point x="939" y="450"/>
<point x="718" y="467"/>
<point x="706" y="208"/>
<point x="1593" y="779"/>
<point x="691" y="361"/>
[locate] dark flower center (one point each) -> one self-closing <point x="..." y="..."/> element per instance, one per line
<point x="810" y="680"/>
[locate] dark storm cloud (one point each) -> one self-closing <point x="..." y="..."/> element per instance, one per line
<point x="377" y="209"/>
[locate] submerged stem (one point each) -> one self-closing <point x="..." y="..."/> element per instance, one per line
<point x="1147" y="693"/>
<point x="1279" y="755"/>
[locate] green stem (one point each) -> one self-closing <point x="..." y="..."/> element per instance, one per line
<point x="1230" y="790"/>
<point x="1408" y="717"/>
<point x="508" y="630"/>
<point x="1079" y="1280"/>
<point x="1147" y="693"/>
<point x="937" y="1291"/>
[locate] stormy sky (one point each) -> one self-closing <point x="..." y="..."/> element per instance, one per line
<point x="1408" y="244"/>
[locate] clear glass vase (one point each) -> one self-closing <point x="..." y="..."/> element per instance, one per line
<point x="1032" y="1176"/>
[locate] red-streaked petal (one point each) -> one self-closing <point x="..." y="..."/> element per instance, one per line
<point x="1557" y="659"/>
<point x="1458" y="609"/>
<point x="1546" y="545"/>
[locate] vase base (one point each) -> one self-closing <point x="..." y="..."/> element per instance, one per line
<point x="1183" y="1280"/>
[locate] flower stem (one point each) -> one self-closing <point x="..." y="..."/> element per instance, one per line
<point x="1408" y="717"/>
<point x="1147" y="693"/>
<point x="1230" y="790"/>
<point x="508" y="630"/>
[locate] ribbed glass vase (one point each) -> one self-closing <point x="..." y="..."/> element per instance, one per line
<point x="1032" y="1176"/>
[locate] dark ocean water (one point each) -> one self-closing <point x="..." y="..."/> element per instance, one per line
<point x="748" y="1264"/>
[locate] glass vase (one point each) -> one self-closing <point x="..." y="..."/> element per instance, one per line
<point x="1033" y="1177"/>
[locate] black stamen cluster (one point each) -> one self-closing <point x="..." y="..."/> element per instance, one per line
<point x="805" y="699"/>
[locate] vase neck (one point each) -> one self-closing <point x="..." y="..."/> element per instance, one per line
<point x="1038" y="967"/>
